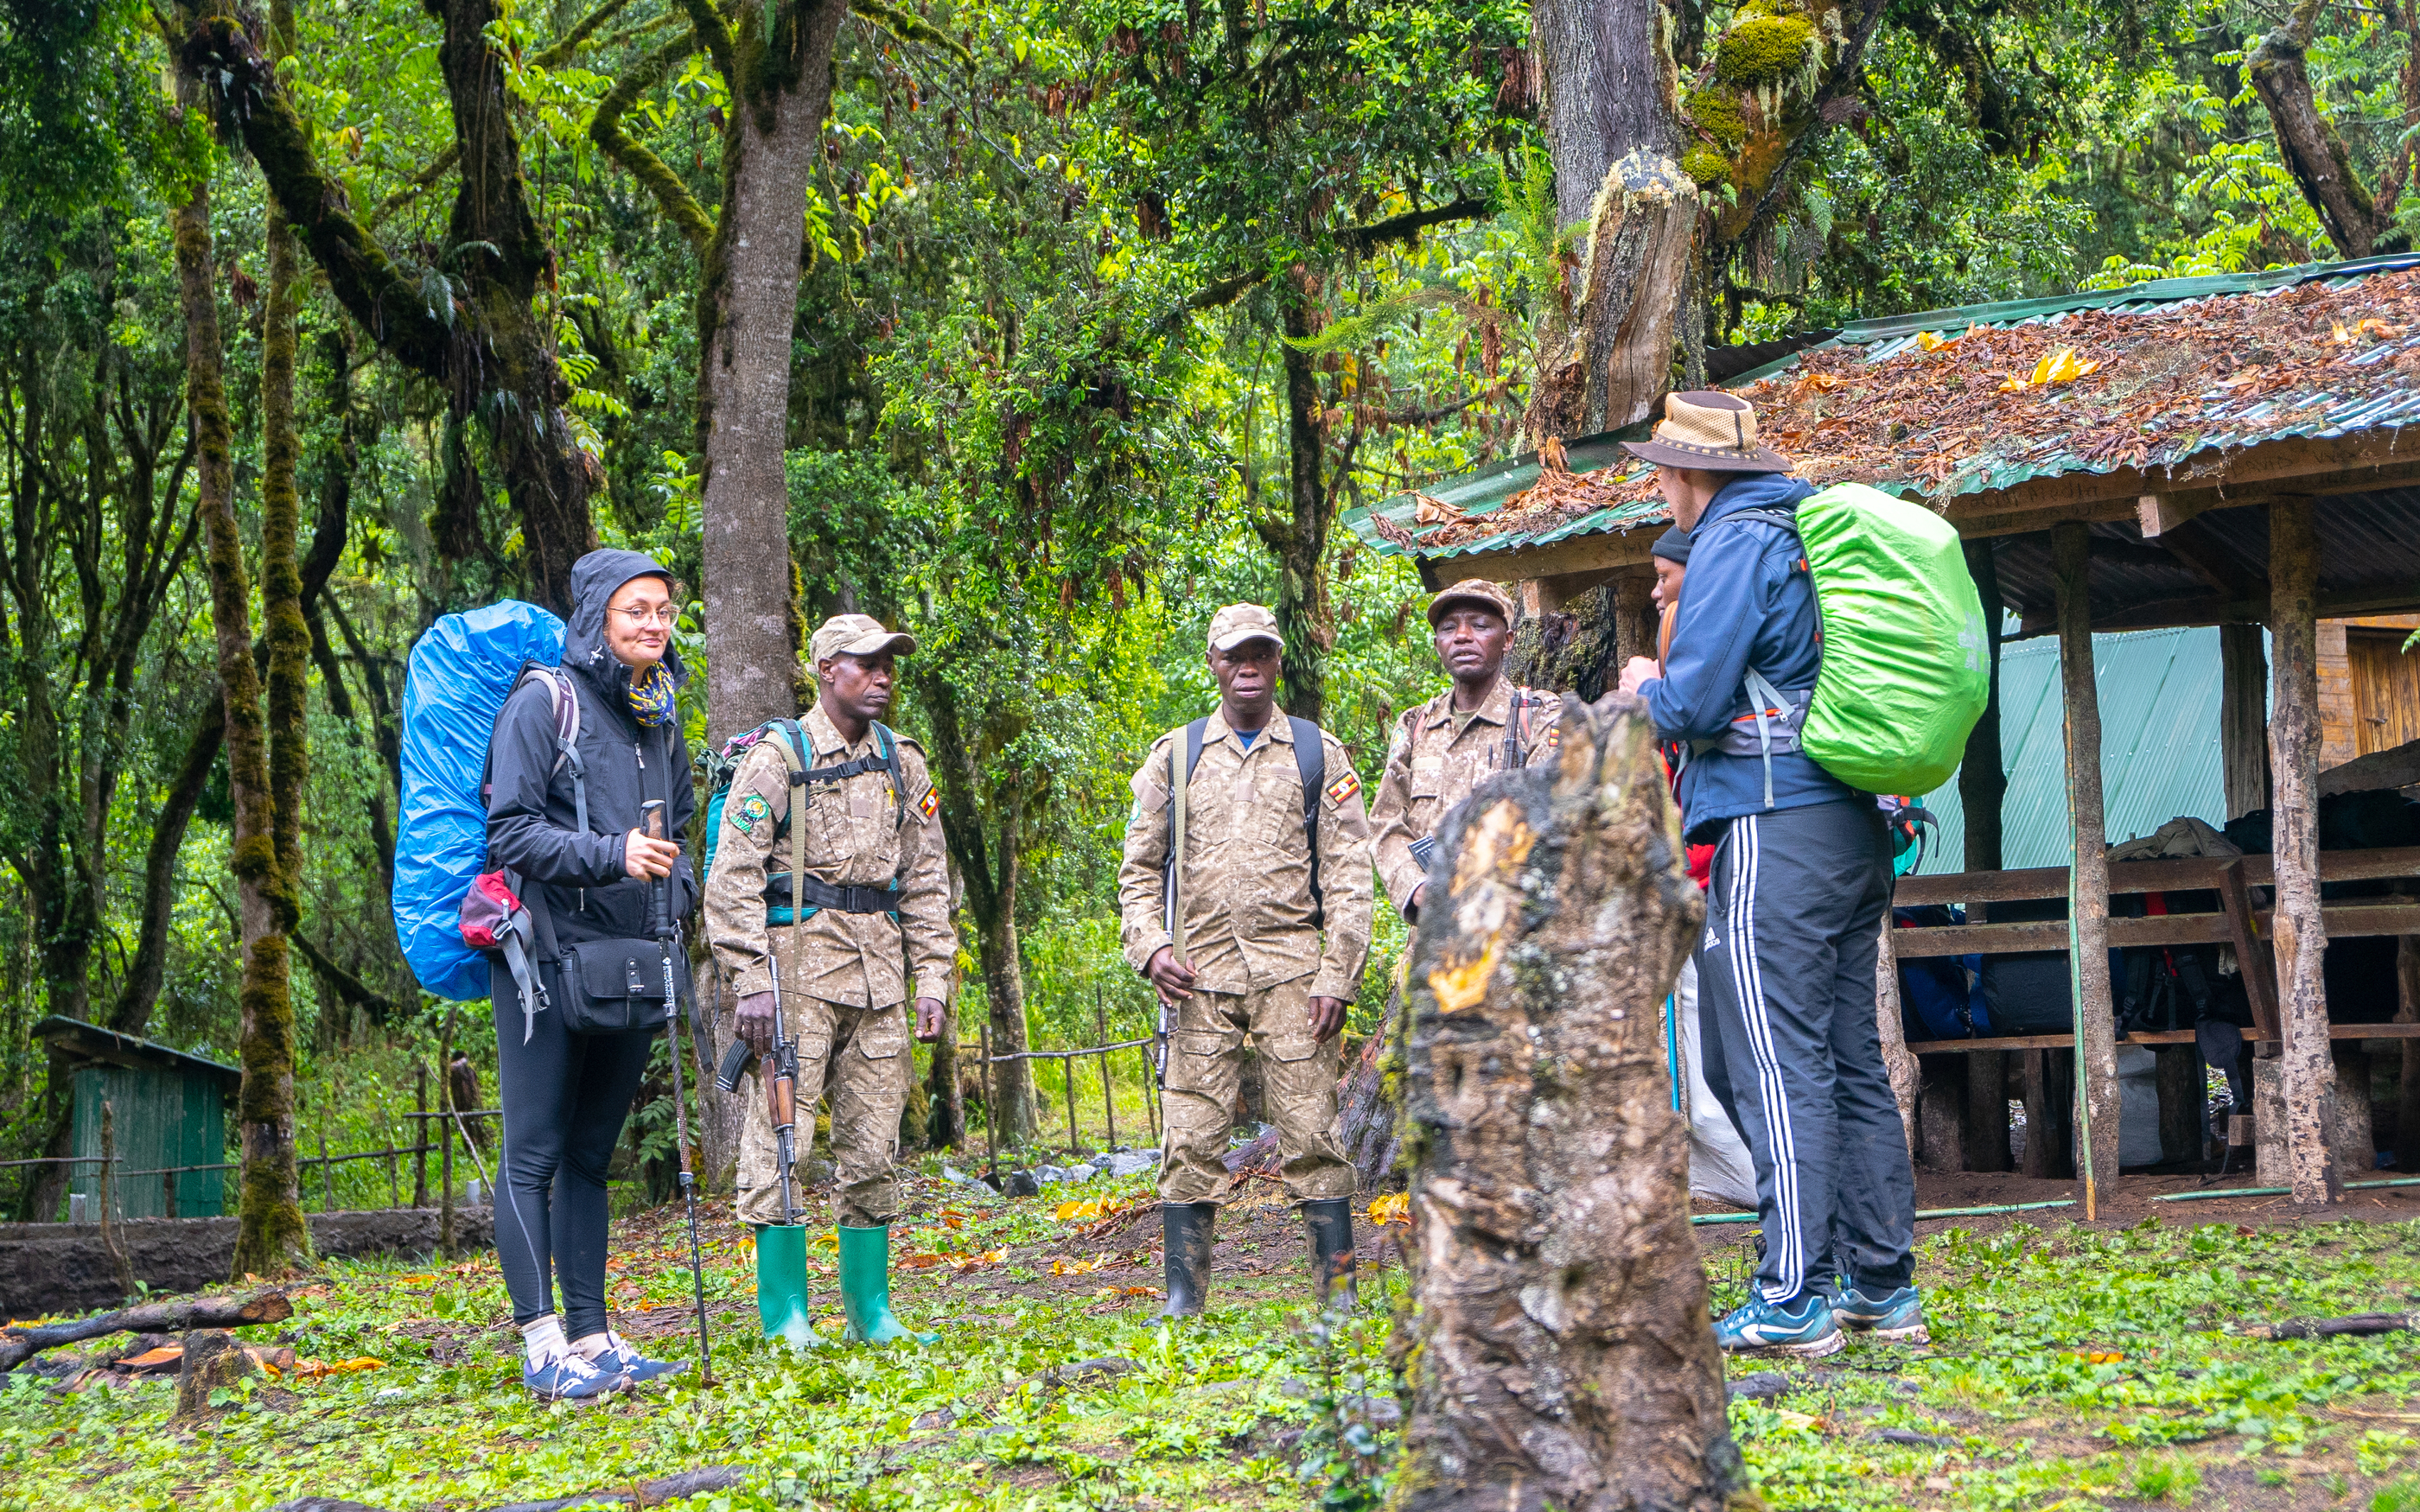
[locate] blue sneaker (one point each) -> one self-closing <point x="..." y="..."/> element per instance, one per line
<point x="1894" y="1316"/>
<point x="617" y="1357"/>
<point x="567" y="1377"/>
<point x="1805" y="1329"/>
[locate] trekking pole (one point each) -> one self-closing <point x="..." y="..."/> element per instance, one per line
<point x="666" y="933"/>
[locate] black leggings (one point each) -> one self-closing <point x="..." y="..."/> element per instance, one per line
<point x="565" y="1097"/>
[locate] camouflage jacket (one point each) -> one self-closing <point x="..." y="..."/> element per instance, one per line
<point x="1246" y="886"/>
<point x="857" y="833"/>
<point x="1433" y="764"/>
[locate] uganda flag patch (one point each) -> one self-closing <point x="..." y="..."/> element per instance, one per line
<point x="1343" y="787"/>
<point x="932" y="803"/>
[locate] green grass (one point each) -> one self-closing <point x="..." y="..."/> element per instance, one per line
<point x="1253" y="1406"/>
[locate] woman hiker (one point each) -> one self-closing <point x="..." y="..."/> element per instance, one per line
<point x="573" y="838"/>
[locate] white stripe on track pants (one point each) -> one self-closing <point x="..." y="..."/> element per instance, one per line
<point x="1788" y="973"/>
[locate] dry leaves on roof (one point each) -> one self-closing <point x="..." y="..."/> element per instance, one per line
<point x="2097" y="390"/>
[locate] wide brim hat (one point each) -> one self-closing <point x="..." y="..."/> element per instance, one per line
<point x="1712" y="431"/>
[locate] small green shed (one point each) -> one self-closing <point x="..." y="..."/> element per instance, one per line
<point x="167" y="1109"/>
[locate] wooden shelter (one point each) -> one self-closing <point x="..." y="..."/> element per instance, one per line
<point x="167" y="1112"/>
<point x="2224" y="451"/>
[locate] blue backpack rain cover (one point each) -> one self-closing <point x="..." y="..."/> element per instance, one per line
<point x="461" y="672"/>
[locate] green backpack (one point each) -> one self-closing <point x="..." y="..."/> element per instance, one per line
<point x="1906" y="669"/>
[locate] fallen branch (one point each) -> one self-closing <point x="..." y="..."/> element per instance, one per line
<point x="18" y="1345"/>
<point x="2329" y="1328"/>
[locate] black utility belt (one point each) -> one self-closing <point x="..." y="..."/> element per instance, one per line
<point x="817" y="893"/>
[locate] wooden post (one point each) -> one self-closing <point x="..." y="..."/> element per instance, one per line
<point x="445" y="1136"/>
<point x="1151" y="1091"/>
<point x="2243" y="719"/>
<point x="1987" y="1110"/>
<point x="1068" y="1080"/>
<point x="1983" y="774"/>
<point x="168" y="1193"/>
<point x="2087" y="891"/>
<point x="420" y="1143"/>
<point x="1893" y="1028"/>
<point x="1109" y="1093"/>
<point x="2407" y="1098"/>
<point x="327" y="1176"/>
<point x="1941" y="1113"/>
<point x="991" y="1111"/>
<point x="1982" y="793"/>
<point x="2309" y="1071"/>
<point x="2182" y="1098"/>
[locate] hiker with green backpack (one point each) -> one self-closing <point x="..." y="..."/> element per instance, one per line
<point x="826" y="897"/>
<point x="1828" y="647"/>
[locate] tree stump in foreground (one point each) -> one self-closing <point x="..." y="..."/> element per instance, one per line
<point x="212" y="1360"/>
<point x="1560" y="1351"/>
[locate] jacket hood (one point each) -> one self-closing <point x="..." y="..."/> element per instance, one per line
<point x="595" y="579"/>
<point x="1752" y="491"/>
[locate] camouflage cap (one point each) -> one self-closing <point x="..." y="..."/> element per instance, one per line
<point x="1238" y="623"/>
<point x="857" y="634"/>
<point x="1477" y="593"/>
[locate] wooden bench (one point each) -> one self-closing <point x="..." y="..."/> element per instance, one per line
<point x="2237" y="922"/>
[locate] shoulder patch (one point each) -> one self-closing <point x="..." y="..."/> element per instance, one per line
<point x="1343" y="787"/>
<point x="931" y="804"/>
<point x="749" y="810"/>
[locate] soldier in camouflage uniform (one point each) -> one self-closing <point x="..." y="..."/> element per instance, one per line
<point x="1443" y="748"/>
<point x="1251" y="957"/>
<point x="876" y="906"/>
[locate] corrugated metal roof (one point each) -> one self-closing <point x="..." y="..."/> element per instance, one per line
<point x="2159" y="694"/>
<point x="2228" y="421"/>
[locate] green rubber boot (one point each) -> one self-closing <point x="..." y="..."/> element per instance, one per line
<point x="782" y="1285"/>
<point x="865" y="1287"/>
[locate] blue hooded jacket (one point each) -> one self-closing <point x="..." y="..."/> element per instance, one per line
<point x="1746" y="602"/>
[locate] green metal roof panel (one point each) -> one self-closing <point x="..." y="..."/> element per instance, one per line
<point x="2318" y="414"/>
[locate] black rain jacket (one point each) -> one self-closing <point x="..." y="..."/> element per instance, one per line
<point x="532" y="822"/>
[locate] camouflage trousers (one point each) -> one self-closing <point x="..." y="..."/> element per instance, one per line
<point x="859" y="1056"/>
<point x="1205" y="1062"/>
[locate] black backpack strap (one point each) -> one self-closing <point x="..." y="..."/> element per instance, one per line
<point x="888" y="744"/>
<point x="1193" y="733"/>
<point x="1310" y="760"/>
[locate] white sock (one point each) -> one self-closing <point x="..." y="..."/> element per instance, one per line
<point x="593" y="1346"/>
<point x="543" y="1338"/>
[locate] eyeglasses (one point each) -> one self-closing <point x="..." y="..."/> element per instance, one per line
<point x="665" y="615"/>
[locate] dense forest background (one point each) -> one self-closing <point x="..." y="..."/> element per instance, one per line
<point x="1106" y="309"/>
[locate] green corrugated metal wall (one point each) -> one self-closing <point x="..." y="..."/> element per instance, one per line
<point x="2159" y="692"/>
<point x="158" y="1119"/>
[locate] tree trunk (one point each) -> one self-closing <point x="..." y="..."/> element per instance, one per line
<point x="281" y="523"/>
<point x="1298" y="537"/>
<point x="2308" y="143"/>
<point x="1608" y="357"/>
<point x="493" y="350"/>
<point x="133" y="1014"/>
<point x="1558" y="1354"/>
<point x="2244" y="719"/>
<point x="2309" y="1073"/>
<point x="2096" y="1033"/>
<point x="987" y="859"/>
<point x="946" y="1127"/>
<point x="747" y="307"/>
<point x="272" y="1237"/>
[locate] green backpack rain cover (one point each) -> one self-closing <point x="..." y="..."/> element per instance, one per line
<point x="1906" y="667"/>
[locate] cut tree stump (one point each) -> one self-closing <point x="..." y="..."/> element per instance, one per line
<point x="213" y="1359"/>
<point x="1559" y="1352"/>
